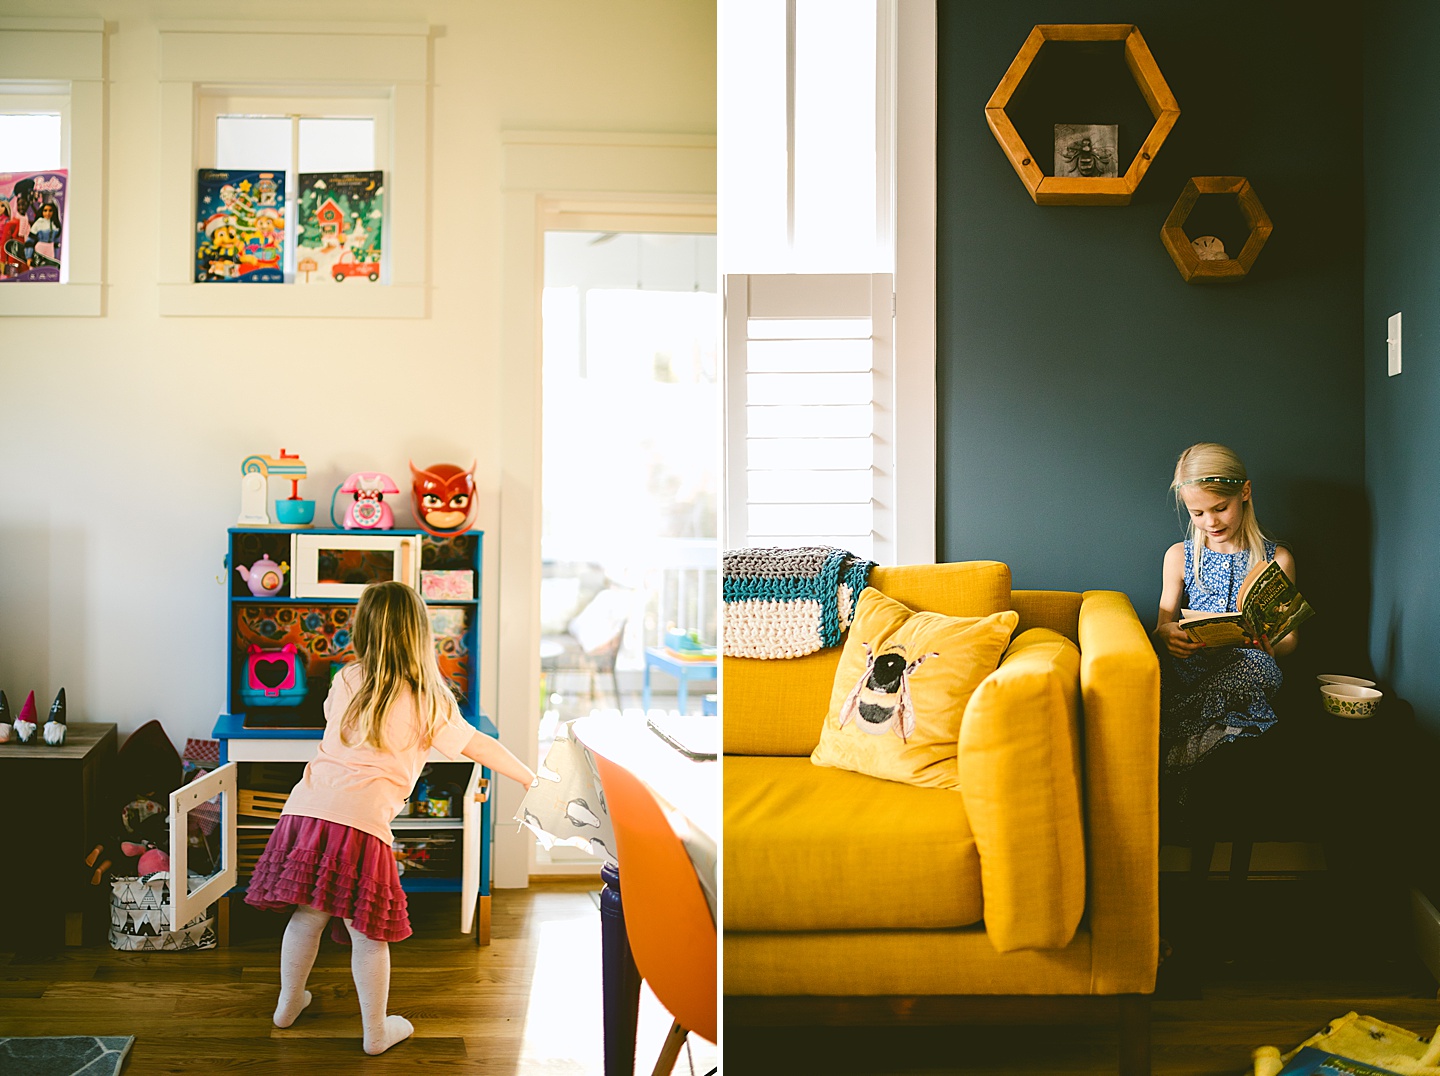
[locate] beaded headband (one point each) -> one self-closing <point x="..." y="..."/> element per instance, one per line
<point x="1213" y="478"/>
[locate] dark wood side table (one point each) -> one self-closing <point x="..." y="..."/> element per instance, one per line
<point x="56" y="803"/>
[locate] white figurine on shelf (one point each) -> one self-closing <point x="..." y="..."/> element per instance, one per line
<point x="55" y="727"/>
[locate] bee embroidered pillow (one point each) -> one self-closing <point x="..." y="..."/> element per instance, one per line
<point x="901" y="689"/>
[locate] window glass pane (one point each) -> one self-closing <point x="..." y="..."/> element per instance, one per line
<point x="29" y="143"/>
<point x="752" y="135"/>
<point x="835" y="134"/>
<point x="253" y="143"/>
<point x="337" y="145"/>
<point x="650" y="336"/>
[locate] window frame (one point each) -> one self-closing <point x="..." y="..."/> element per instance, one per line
<point x="221" y="101"/>
<point x="64" y="59"/>
<point x="905" y="140"/>
<point x="202" y="60"/>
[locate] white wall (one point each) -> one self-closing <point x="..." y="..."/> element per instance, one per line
<point x="121" y="436"/>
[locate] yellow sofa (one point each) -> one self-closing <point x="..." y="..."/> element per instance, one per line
<point x="1035" y="887"/>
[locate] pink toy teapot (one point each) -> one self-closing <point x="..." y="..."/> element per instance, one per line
<point x="265" y="577"/>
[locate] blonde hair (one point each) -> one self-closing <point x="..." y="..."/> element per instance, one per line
<point x="396" y="650"/>
<point x="1218" y="470"/>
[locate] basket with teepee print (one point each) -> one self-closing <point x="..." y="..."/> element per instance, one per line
<point x="140" y="917"/>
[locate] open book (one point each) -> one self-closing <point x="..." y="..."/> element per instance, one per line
<point x="1313" y="1062"/>
<point x="1269" y="605"/>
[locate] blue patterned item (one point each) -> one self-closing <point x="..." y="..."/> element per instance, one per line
<point x="1214" y="696"/>
<point x="782" y="603"/>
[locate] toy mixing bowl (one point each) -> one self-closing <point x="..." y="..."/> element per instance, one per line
<point x="1335" y="678"/>
<point x="1350" y="700"/>
<point x="295" y="513"/>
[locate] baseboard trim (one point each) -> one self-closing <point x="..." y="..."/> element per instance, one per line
<point x="1268" y="859"/>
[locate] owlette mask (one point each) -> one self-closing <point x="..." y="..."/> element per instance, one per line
<point x="443" y="497"/>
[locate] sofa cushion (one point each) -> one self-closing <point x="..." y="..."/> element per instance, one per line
<point x="901" y="688"/>
<point x="1019" y="770"/>
<point x="777" y="707"/>
<point x="810" y="848"/>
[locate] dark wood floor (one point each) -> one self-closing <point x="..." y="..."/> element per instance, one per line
<point x="1263" y="963"/>
<point x="527" y="1003"/>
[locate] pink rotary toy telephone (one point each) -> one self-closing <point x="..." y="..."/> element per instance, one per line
<point x="369" y="510"/>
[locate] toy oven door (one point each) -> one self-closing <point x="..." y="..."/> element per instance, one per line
<point x="211" y="800"/>
<point x="342" y="565"/>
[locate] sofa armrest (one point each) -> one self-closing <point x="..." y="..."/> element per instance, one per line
<point x="1120" y="691"/>
<point x="1018" y="762"/>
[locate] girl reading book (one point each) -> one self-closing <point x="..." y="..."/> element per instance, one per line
<point x="1211" y="696"/>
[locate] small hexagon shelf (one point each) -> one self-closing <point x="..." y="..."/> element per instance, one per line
<point x="1080" y="190"/>
<point x="1181" y="247"/>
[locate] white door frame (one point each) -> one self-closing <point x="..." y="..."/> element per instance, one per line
<point x="560" y="180"/>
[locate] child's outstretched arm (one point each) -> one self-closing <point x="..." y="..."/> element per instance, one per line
<point x="490" y="752"/>
<point x="1168" y="632"/>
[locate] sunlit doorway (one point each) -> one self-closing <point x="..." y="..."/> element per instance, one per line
<point x="630" y="472"/>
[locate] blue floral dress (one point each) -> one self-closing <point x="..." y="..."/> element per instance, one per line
<point x="1214" y="696"/>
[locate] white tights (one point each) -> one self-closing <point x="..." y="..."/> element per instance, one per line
<point x="369" y="964"/>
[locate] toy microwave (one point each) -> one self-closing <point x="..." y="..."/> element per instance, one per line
<point x="343" y="565"/>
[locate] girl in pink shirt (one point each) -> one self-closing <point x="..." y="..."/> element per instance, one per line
<point x="330" y="852"/>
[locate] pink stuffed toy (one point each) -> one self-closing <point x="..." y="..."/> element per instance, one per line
<point x="152" y="859"/>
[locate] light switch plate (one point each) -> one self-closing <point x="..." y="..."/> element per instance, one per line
<point x="1394" y="344"/>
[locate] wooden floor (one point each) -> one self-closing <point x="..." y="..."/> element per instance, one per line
<point x="527" y="1003"/>
<point x="1269" y="964"/>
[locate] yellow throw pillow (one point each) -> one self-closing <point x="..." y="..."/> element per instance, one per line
<point x="901" y="689"/>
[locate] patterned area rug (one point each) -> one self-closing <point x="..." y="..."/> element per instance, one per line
<point x="72" y="1055"/>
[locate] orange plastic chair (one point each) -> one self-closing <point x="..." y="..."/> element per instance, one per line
<point x="672" y="934"/>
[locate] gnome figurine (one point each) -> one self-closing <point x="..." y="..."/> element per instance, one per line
<point x="7" y="727"/>
<point x="25" y="722"/>
<point x="55" y="727"/>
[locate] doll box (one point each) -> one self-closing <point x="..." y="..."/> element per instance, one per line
<point x="452" y="585"/>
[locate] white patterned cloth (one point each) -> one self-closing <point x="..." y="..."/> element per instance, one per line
<point x="786" y="603"/>
<point x="566" y="805"/>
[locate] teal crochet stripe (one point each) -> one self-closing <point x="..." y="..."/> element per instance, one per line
<point x="813" y="573"/>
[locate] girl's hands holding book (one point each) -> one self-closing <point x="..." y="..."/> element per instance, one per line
<point x="1177" y="640"/>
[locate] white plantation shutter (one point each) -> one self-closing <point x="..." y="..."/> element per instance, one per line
<point x="810" y="412"/>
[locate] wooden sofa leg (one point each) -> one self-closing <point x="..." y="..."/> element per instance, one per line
<point x="1134" y="1035"/>
<point x="1240" y="852"/>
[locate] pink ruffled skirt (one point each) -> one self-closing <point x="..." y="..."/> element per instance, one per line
<point x="335" y="868"/>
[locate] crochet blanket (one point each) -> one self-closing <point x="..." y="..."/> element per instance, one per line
<point x="785" y="603"/>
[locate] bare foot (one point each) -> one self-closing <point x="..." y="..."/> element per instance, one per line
<point x="285" y="1013"/>
<point x="395" y="1029"/>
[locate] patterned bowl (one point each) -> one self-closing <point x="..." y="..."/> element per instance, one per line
<point x="1335" y="678"/>
<point x="1350" y="700"/>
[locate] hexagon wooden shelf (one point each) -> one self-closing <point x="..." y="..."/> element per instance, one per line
<point x="1080" y="190"/>
<point x="1179" y="244"/>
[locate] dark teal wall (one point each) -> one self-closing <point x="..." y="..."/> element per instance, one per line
<point x="1074" y="363"/>
<point x="1402" y="414"/>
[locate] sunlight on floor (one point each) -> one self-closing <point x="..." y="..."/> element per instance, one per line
<point x="563" y="1020"/>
